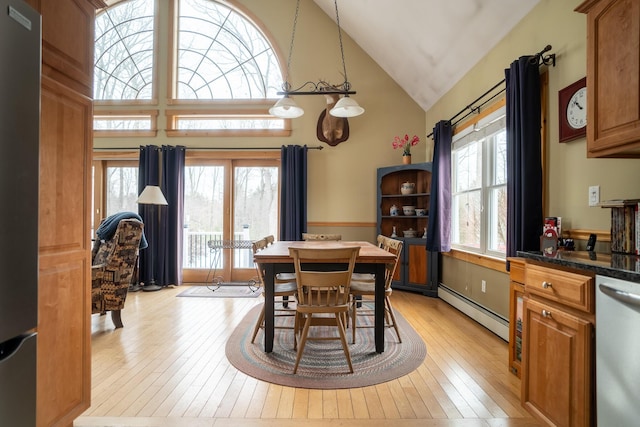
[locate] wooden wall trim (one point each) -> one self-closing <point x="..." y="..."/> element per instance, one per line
<point x="340" y="224"/>
<point x="478" y="259"/>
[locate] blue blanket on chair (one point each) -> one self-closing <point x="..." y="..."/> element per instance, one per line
<point x="108" y="227"/>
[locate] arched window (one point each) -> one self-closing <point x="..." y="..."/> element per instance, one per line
<point x="222" y="55"/>
<point x="124" y="48"/>
<point x="222" y="71"/>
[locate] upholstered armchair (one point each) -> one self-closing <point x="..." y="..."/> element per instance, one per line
<point x="112" y="269"/>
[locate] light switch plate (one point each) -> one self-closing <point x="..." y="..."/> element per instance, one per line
<point x="594" y="195"/>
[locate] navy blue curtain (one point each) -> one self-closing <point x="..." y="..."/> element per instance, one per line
<point x="149" y="174"/>
<point x="439" y="225"/>
<point x="524" y="164"/>
<point x="171" y="216"/>
<point x="293" y="192"/>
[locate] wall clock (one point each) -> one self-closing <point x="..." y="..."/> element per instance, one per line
<point x="572" y="110"/>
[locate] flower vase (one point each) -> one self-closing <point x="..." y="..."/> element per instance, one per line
<point x="406" y="159"/>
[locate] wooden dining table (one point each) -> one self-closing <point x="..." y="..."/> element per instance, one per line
<point x="276" y="259"/>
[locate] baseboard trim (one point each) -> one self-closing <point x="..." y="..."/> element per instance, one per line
<point x="486" y="318"/>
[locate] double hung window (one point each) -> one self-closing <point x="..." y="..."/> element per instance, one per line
<point x="479" y="186"/>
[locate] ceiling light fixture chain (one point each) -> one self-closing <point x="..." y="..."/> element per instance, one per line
<point x="287" y="107"/>
<point x="346" y="85"/>
<point x="286" y="86"/>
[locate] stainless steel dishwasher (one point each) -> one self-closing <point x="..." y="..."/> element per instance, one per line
<point x="617" y="352"/>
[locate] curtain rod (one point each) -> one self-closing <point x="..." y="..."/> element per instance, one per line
<point x="317" y="147"/>
<point x="538" y="58"/>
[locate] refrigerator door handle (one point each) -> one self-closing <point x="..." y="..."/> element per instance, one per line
<point x="622" y="296"/>
<point x="9" y="347"/>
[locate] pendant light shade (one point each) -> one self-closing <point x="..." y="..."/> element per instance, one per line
<point x="286" y="108"/>
<point x="346" y="107"/>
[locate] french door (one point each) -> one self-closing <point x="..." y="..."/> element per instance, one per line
<point x="228" y="203"/>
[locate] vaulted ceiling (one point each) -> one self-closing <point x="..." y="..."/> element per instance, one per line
<point x="427" y="46"/>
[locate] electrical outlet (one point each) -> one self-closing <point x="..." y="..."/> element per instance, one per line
<point x="484" y="286"/>
<point x="594" y="195"/>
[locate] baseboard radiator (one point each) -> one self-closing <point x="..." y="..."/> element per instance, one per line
<point x="487" y="318"/>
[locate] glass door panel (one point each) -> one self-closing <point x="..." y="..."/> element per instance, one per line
<point x="204" y="223"/>
<point x="255" y="211"/>
<point x="122" y="189"/>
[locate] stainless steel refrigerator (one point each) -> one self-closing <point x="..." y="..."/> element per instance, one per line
<point x="20" y="68"/>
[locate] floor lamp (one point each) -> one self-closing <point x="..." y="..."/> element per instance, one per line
<point x="152" y="195"/>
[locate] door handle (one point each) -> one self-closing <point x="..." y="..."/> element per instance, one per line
<point x="623" y="296"/>
<point x="546" y="285"/>
<point x="546" y="313"/>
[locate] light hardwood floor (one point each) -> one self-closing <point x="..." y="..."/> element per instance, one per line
<point x="167" y="368"/>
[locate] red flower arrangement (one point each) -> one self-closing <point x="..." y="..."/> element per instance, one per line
<point x="405" y="143"/>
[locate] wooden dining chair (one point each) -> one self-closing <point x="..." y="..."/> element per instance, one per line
<point x="363" y="291"/>
<point x="323" y="296"/>
<point x="285" y="290"/>
<point x="280" y="277"/>
<point x="312" y="236"/>
<point x="369" y="277"/>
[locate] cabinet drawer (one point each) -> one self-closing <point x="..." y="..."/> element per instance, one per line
<point x="572" y="289"/>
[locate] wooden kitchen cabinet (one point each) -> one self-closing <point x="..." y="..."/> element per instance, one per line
<point x="613" y="87"/>
<point x="558" y="346"/>
<point x="64" y="253"/>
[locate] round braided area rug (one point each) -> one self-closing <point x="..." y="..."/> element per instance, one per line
<point x="324" y="364"/>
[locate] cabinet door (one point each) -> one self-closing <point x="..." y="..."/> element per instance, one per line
<point x="416" y="263"/>
<point x="557" y="365"/>
<point x="64" y="285"/>
<point x="67" y="40"/>
<point x="613" y="66"/>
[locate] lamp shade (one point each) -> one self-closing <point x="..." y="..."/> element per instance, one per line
<point x="152" y="195"/>
<point x="286" y="108"/>
<point x="346" y="107"/>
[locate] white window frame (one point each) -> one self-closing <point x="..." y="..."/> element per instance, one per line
<point x="481" y="130"/>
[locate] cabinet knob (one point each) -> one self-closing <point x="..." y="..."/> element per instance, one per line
<point x="546" y="285"/>
<point x="546" y="313"/>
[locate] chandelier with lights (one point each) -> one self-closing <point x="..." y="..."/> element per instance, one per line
<point x="287" y="108"/>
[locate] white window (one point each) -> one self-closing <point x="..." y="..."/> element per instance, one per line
<point x="479" y="186"/>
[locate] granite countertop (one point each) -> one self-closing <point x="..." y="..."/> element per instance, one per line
<point x="619" y="266"/>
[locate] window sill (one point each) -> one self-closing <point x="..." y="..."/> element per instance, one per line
<point x="492" y="263"/>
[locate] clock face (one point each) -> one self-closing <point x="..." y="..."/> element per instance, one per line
<point x="577" y="109"/>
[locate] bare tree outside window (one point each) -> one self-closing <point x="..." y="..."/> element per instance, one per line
<point x="122" y="189"/>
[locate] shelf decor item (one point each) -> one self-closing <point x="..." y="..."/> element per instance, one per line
<point x="409" y="210"/>
<point x="410" y="233"/>
<point x="407" y="188"/>
<point x="405" y="143"/>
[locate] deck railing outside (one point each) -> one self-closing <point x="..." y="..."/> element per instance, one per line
<point x="198" y="254"/>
